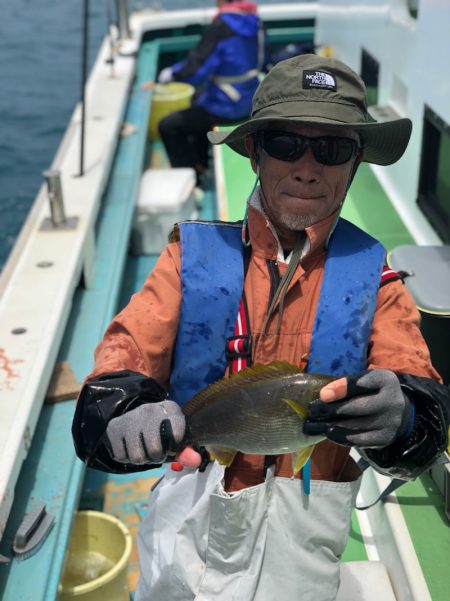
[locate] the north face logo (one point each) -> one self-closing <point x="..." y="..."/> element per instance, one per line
<point x="318" y="79"/>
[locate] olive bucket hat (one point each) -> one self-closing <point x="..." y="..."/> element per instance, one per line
<point x="314" y="90"/>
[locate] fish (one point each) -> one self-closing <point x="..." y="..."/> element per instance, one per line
<point x="258" y="410"/>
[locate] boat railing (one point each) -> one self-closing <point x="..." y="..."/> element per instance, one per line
<point x="39" y="280"/>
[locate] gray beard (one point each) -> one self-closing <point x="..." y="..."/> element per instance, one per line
<point x="297" y="222"/>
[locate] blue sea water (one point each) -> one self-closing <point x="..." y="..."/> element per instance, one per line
<point x="40" y="84"/>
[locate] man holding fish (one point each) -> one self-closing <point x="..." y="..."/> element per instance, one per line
<point x="324" y="337"/>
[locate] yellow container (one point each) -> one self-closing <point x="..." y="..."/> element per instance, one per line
<point x="97" y="559"/>
<point x="168" y="98"/>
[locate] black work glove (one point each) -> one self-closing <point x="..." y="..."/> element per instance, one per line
<point x="374" y="413"/>
<point x="146" y="434"/>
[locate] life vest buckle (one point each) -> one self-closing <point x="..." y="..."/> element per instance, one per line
<point x="238" y="347"/>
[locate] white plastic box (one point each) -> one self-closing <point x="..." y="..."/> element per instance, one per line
<point x="165" y="197"/>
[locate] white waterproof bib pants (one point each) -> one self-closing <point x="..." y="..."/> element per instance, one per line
<point x="269" y="542"/>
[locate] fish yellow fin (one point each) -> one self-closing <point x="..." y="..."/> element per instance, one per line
<point x="222" y="456"/>
<point x="297" y="407"/>
<point x="301" y="457"/>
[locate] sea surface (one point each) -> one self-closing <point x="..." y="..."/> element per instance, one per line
<point x="40" y="85"/>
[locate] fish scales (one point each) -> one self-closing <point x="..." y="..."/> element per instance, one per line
<point x="259" y="410"/>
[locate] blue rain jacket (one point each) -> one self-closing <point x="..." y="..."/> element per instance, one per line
<point x="230" y="47"/>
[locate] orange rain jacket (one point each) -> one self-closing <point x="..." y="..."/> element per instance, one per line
<point x="142" y="337"/>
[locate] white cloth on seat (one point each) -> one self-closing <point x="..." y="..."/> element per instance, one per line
<point x="365" y="581"/>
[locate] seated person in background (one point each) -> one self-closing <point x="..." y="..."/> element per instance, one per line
<point x="224" y="66"/>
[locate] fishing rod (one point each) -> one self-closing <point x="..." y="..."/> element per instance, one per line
<point x="83" y="81"/>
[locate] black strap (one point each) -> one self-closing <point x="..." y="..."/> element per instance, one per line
<point x="247" y="255"/>
<point x="269" y="460"/>
<point x="206" y="459"/>
<point x="390" y="488"/>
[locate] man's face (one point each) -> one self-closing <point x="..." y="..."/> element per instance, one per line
<point x="299" y="193"/>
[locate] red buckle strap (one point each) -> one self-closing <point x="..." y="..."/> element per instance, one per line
<point x="238" y="348"/>
<point x="389" y="275"/>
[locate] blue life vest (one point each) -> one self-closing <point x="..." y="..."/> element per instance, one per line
<point x="212" y="275"/>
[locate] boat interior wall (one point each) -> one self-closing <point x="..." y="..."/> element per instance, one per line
<point x="155" y="20"/>
<point x="434" y="182"/>
<point x="412" y="56"/>
<point x="150" y="20"/>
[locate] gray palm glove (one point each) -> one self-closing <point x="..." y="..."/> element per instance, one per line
<point x="374" y="414"/>
<point x="146" y="434"/>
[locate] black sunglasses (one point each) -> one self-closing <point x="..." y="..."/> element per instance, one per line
<point x="287" y="146"/>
